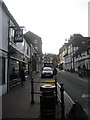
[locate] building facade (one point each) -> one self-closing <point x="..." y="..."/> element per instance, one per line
<point x="62" y="53"/>
<point x="4" y="19"/>
<point x="82" y="57"/>
<point x="12" y="54"/>
<point x="74" y="44"/>
<point x="36" y="51"/>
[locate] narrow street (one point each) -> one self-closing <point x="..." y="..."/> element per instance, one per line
<point x="75" y="87"/>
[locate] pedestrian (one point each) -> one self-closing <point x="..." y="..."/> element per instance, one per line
<point x="80" y="71"/>
<point x="79" y="68"/>
<point x="22" y="75"/>
<point x="55" y="71"/>
<point x="84" y="70"/>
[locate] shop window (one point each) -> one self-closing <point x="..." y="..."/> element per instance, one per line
<point x="26" y="69"/>
<point x="89" y="66"/>
<point x="14" y="69"/>
<point x="2" y="70"/>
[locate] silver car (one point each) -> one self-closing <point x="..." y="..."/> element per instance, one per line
<point x="47" y="72"/>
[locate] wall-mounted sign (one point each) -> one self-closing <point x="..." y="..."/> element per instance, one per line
<point x="18" y="35"/>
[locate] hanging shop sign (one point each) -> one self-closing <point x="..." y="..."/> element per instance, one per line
<point x="18" y="35"/>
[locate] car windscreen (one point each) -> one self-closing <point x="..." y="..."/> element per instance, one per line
<point x="47" y="69"/>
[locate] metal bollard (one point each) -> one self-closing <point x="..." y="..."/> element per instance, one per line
<point x="62" y="102"/>
<point x="56" y="87"/>
<point x="32" y="91"/>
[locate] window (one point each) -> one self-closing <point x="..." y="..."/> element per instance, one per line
<point x="12" y="34"/>
<point x="2" y="70"/>
<point x="24" y="46"/>
<point x="14" y="69"/>
<point x="83" y="54"/>
<point x="27" y="50"/>
<point x="88" y="65"/>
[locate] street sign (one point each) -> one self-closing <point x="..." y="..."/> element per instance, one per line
<point x="18" y="35"/>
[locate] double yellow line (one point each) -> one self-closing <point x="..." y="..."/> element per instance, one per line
<point x="50" y="82"/>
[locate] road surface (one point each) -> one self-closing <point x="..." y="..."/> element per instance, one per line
<point x="75" y="87"/>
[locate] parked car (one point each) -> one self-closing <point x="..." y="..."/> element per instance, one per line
<point x="47" y="72"/>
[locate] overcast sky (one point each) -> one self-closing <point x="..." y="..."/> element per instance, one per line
<point x="52" y="20"/>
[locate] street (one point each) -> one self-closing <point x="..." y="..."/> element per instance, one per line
<point x="75" y="87"/>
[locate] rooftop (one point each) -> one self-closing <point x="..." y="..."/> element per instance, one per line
<point x="83" y="48"/>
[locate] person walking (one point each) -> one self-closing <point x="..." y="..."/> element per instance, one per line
<point x="55" y="71"/>
<point x="84" y="70"/>
<point x="22" y="75"/>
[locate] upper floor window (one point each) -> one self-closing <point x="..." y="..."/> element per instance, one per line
<point x="83" y="54"/>
<point x="11" y="34"/>
<point x="24" y="45"/>
<point x="27" y="50"/>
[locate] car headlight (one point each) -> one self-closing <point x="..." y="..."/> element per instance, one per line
<point x="42" y="72"/>
<point x="51" y="72"/>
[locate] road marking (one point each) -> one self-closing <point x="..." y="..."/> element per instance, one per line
<point x="51" y="82"/>
<point x="70" y="98"/>
<point x="66" y="94"/>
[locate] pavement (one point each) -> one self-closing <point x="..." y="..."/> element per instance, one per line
<point x="17" y="102"/>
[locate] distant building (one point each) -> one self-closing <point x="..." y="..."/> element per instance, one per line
<point x="82" y="56"/>
<point x="67" y="53"/>
<point x="49" y="59"/>
<point x="61" y="59"/>
<point x="36" y="50"/>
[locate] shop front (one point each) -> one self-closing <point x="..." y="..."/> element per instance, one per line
<point x="3" y="72"/>
<point x="16" y="61"/>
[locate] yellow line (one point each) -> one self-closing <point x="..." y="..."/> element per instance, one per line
<point x="51" y="82"/>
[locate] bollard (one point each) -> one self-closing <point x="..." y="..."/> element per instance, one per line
<point x="32" y="91"/>
<point x="62" y="102"/>
<point x="56" y="87"/>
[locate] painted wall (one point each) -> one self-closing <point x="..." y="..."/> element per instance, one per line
<point x="5" y="20"/>
<point x="0" y="25"/>
<point x="3" y="45"/>
<point x="89" y="19"/>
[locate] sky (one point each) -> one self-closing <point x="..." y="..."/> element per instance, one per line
<point x="52" y="20"/>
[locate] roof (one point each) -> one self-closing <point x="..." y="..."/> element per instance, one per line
<point x="9" y="14"/>
<point x="77" y="40"/>
<point x="30" y="37"/>
<point x="83" y="48"/>
<point x="63" y="47"/>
